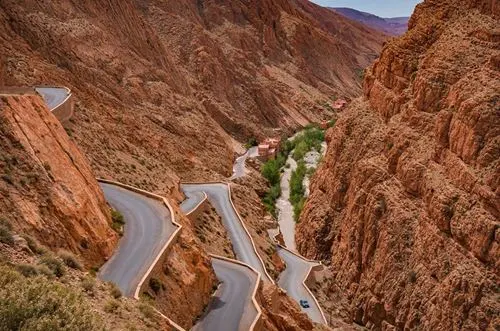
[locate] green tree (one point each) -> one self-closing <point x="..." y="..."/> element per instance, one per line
<point x="300" y="150"/>
<point x="271" y="171"/>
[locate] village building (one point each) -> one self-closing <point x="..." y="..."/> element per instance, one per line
<point x="268" y="148"/>
<point x="339" y="104"/>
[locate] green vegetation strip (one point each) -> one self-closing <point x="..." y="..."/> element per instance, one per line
<point x="297" y="189"/>
<point x="117" y="221"/>
<point x="304" y="143"/>
<point x="271" y="170"/>
<point x="311" y="138"/>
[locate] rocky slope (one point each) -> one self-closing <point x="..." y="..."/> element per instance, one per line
<point x="39" y="289"/>
<point x="165" y="87"/>
<point x="49" y="192"/>
<point x="48" y="189"/>
<point x="186" y="279"/>
<point x="280" y="312"/>
<point x="405" y="207"/>
<point x="247" y="193"/>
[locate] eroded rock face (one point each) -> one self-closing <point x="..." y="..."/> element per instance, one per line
<point x="280" y="312"/>
<point x="48" y="189"/>
<point x="187" y="278"/>
<point x="406" y="204"/>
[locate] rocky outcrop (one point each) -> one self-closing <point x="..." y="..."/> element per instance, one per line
<point x="280" y="312"/>
<point x="186" y="281"/>
<point x="405" y="207"/>
<point x="48" y="189"/>
<point x="246" y="194"/>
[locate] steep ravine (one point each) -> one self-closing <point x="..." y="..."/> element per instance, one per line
<point x="296" y="268"/>
<point x="405" y="207"/>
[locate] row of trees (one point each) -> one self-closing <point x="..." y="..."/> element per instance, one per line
<point x="311" y="138"/>
<point x="271" y="170"/>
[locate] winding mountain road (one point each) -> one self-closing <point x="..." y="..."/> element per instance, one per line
<point x="148" y="226"/>
<point x="231" y="307"/>
<point x="193" y="199"/>
<point x="218" y="195"/>
<point x="53" y="96"/>
<point x="239" y="168"/>
<point x="291" y="280"/>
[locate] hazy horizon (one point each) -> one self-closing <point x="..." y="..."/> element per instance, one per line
<point x="382" y="8"/>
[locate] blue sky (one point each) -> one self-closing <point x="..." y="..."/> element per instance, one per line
<point x="382" y="8"/>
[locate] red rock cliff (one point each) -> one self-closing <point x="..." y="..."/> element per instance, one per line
<point x="48" y="189"/>
<point x="406" y="204"/>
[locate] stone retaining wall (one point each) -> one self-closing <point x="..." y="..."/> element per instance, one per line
<point x="257" y="324"/>
<point x="199" y="209"/>
<point x="312" y="279"/>
<point x="65" y="110"/>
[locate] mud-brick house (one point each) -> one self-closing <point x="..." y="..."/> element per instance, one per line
<point x="268" y="148"/>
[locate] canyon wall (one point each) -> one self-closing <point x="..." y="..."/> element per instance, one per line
<point x="165" y="88"/>
<point x="48" y="189"/>
<point x="405" y="207"/>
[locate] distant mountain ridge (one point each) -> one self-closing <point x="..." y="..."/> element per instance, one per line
<point x="394" y="26"/>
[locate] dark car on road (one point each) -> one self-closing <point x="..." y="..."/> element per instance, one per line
<point x="304" y="304"/>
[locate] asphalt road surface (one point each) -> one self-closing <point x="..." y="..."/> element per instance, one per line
<point x="148" y="227"/>
<point x="218" y="195"/>
<point x="231" y="307"/>
<point x="192" y="200"/>
<point x="53" y="96"/>
<point x="239" y="169"/>
<point x="291" y="281"/>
